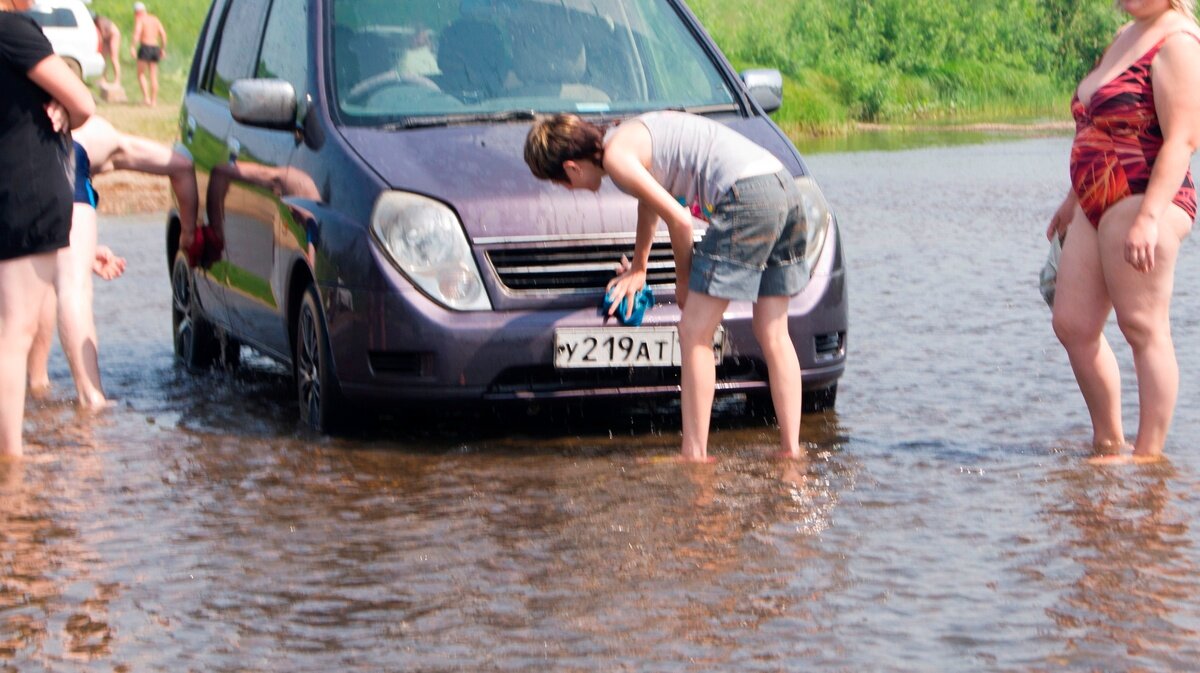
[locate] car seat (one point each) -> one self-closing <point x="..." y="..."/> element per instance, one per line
<point x="550" y="61"/>
<point x="473" y="60"/>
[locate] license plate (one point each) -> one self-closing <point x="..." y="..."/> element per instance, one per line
<point x="582" y="347"/>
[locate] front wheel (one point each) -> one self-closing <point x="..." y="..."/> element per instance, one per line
<point x="316" y="387"/>
<point x="197" y="344"/>
<point x="759" y="403"/>
<point x="76" y="69"/>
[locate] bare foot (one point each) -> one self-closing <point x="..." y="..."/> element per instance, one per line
<point x="40" y="391"/>
<point x="677" y="460"/>
<point x="1126" y="459"/>
<point x="95" y="405"/>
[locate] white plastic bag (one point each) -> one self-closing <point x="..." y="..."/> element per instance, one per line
<point x="1050" y="271"/>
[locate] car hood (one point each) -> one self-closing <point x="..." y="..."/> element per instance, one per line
<point x="480" y="171"/>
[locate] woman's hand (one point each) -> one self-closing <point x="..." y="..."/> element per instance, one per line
<point x="1140" y="243"/>
<point x="60" y="119"/>
<point x="625" y="284"/>
<point x="107" y="264"/>
<point x="1062" y="218"/>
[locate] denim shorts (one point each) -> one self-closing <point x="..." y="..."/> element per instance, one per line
<point x="755" y="242"/>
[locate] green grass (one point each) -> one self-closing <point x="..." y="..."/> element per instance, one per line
<point x="182" y="20"/>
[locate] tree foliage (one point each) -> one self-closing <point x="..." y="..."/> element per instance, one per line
<point x="903" y="59"/>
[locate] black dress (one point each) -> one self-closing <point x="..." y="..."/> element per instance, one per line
<point x="35" y="191"/>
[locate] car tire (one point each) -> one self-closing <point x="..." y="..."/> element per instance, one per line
<point x="197" y="344"/>
<point x="75" y="67"/>
<point x="813" y="402"/>
<point x="317" y="390"/>
<point x="823" y="399"/>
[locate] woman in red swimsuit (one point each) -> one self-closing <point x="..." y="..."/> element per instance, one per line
<point x="1131" y="204"/>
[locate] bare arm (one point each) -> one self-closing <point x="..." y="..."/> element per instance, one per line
<point x="136" y="38"/>
<point x="625" y="160"/>
<point x="1063" y="215"/>
<point x="162" y="34"/>
<point x="1176" y="77"/>
<point x="56" y="79"/>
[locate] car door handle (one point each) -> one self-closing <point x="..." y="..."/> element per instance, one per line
<point x="189" y="132"/>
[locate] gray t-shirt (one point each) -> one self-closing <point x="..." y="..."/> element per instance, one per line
<point x="697" y="159"/>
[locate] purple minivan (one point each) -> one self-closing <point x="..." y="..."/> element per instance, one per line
<point x="369" y="220"/>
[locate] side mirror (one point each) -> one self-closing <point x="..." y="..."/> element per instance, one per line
<point x="263" y="102"/>
<point x="765" y="87"/>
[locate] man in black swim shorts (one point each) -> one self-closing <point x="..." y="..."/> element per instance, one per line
<point x="150" y="53"/>
<point x="149" y="47"/>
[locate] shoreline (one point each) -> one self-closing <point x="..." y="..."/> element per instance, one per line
<point x="1007" y="127"/>
<point x="130" y="193"/>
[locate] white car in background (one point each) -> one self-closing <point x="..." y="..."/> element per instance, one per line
<point x="69" y="27"/>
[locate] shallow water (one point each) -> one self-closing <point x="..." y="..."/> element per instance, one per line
<point x="946" y="518"/>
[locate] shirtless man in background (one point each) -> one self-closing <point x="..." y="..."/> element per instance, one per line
<point x="149" y="46"/>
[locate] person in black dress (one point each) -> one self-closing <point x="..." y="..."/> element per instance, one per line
<point x="41" y="96"/>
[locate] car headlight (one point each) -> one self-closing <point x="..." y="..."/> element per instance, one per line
<point x="426" y="241"/>
<point x="816" y="216"/>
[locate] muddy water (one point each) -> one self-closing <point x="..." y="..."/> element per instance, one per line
<point x="946" y="518"/>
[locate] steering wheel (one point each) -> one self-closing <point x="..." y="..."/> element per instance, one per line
<point x="362" y="92"/>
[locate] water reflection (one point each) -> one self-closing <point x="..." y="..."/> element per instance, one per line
<point x="938" y="519"/>
<point x="1129" y="545"/>
<point x="525" y="539"/>
<point x="52" y="605"/>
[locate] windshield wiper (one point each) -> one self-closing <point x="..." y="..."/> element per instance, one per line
<point x="706" y="109"/>
<point x="423" y="121"/>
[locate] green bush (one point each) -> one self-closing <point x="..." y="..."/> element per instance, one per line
<point x="906" y="60"/>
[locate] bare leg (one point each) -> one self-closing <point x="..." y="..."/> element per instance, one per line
<point x="700" y="319"/>
<point x="114" y="54"/>
<point x="76" y="323"/>
<point x="153" y="84"/>
<point x="1081" y="307"/>
<point x="110" y="149"/>
<point x="39" y="352"/>
<point x="24" y="282"/>
<point x="142" y="81"/>
<point x="783" y="368"/>
<point x="1143" y="304"/>
<point x="147" y="156"/>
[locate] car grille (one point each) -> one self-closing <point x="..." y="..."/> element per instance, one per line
<point x="565" y="269"/>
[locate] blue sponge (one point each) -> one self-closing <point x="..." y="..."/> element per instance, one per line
<point x="642" y="301"/>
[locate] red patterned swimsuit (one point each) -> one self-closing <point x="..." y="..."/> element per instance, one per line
<point x="1117" y="139"/>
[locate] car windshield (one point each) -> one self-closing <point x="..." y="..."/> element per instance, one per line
<point x="414" y="63"/>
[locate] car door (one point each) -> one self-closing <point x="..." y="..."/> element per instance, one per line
<point x="261" y="183"/>
<point x="216" y="153"/>
<point x="235" y="29"/>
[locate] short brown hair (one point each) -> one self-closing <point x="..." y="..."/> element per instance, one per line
<point x="559" y="138"/>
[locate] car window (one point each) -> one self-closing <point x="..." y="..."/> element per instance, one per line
<point x="237" y="47"/>
<point x="59" y="17"/>
<point x="391" y="60"/>
<point x="285" y="45"/>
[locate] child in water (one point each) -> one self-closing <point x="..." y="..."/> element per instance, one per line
<point x="676" y="164"/>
